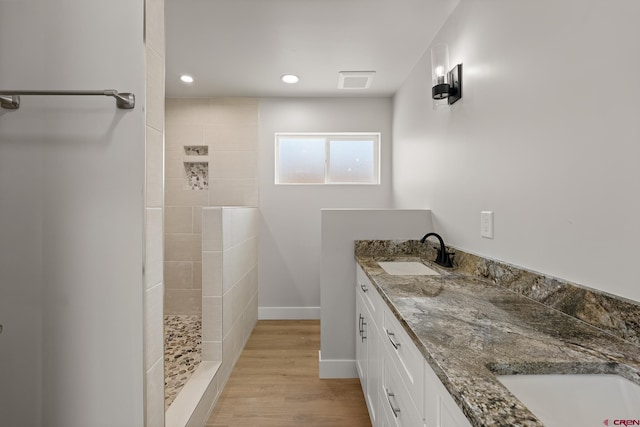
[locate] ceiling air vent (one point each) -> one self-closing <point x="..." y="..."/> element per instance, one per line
<point x="355" y="79"/>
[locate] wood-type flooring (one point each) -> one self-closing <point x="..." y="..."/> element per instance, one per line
<point x="275" y="383"/>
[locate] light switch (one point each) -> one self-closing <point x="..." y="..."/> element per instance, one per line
<point x="486" y="224"/>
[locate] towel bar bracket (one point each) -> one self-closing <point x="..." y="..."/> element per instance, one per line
<point x="10" y="102"/>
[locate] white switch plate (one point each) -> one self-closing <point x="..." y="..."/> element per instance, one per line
<point x="486" y="224"/>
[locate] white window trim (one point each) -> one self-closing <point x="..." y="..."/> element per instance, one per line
<point x="329" y="135"/>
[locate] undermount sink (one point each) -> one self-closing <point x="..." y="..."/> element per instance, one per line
<point x="407" y="268"/>
<point x="576" y="400"/>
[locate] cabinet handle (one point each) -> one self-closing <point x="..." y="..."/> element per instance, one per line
<point x="395" y="409"/>
<point x="360" y="319"/>
<point x="364" y="337"/>
<point x="364" y="288"/>
<point x="391" y="336"/>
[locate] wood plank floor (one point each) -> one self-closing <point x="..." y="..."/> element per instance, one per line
<point x="275" y="383"/>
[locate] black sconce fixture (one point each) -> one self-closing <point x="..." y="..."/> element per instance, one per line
<point x="446" y="84"/>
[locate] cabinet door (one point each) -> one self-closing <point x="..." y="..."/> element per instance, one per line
<point x="374" y="371"/>
<point x="439" y="407"/>
<point x="361" y="341"/>
<point x="450" y="413"/>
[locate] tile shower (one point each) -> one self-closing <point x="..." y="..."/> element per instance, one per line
<point x="195" y="376"/>
<point x="210" y="161"/>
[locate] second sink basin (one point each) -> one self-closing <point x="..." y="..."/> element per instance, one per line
<point x="576" y="400"/>
<point x="407" y="268"/>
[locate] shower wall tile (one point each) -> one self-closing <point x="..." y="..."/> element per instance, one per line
<point x="212" y="350"/>
<point x="227" y="228"/>
<point x="176" y="195"/>
<point x="153" y="323"/>
<point x="178" y="274"/>
<point x="234" y="111"/>
<point x="227" y="314"/>
<point x="211" y="307"/>
<point x="178" y="135"/>
<point x="183" y="301"/>
<point x="212" y="273"/>
<point x="233" y="192"/>
<point x="239" y="266"/>
<point x="245" y="226"/>
<point x="154" y="25"/>
<point x="154" y="161"/>
<point x="212" y="299"/>
<point x="153" y="247"/>
<point x="197" y="275"/>
<point x="183" y="247"/>
<point x="250" y="317"/>
<point x="174" y="167"/>
<point x="187" y="111"/>
<point x="239" y="299"/>
<point x="212" y="230"/>
<point x="222" y="137"/>
<point x="197" y="219"/>
<point x="155" y="394"/>
<point x="155" y="89"/>
<point x="178" y="219"/>
<point x="233" y="165"/>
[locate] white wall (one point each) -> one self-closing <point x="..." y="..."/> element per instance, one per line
<point x="71" y="227"/>
<point x="290" y="215"/>
<point x="546" y="136"/>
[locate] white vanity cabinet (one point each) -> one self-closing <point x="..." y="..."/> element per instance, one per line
<point x="400" y="388"/>
<point x="368" y="358"/>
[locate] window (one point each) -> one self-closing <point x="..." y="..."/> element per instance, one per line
<point x="332" y="158"/>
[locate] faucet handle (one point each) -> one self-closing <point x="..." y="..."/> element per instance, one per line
<point x="444" y="258"/>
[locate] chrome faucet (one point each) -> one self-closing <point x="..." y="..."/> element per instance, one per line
<point x="443" y="258"/>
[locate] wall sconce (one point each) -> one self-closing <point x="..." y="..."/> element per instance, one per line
<point x="445" y="84"/>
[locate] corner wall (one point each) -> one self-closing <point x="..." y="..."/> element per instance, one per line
<point x="536" y="138"/>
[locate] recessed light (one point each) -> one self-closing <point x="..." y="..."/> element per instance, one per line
<point x="290" y="78"/>
<point x="186" y="79"/>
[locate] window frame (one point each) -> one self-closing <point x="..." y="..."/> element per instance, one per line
<point x="328" y="137"/>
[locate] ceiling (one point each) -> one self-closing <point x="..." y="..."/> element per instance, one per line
<point x="243" y="47"/>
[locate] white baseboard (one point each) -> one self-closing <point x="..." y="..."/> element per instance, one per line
<point x="336" y="368"/>
<point x="288" y="313"/>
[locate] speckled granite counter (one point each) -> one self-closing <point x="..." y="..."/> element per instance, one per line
<point x="470" y="329"/>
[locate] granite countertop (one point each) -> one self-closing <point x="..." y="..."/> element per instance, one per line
<point x="469" y="330"/>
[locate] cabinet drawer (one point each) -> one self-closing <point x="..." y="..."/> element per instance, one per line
<point x="408" y="360"/>
<point x="370" y="295"/>
<point x="395" y="400"/>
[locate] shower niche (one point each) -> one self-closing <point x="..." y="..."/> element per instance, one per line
<point x="196" y="167"/>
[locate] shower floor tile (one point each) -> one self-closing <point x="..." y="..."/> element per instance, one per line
<point x="182" y="352"/>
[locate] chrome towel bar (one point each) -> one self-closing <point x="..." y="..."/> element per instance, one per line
<point x="10" y="99"/>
